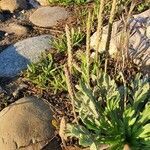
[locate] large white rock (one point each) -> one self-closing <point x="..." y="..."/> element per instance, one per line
<point x="26" y="124"/>
<point x="139" y="41"/>
<point x="16" y="57"/>
<point x="48" y="16"/>
<point x="12" y="5"/>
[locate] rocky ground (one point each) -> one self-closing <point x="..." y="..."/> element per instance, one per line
<point x="26" y="30"/>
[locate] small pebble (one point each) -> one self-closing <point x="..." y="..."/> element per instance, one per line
<point x="23" y="11"/>
<point x="14" y="16"/>
<point x="6" y="34"/>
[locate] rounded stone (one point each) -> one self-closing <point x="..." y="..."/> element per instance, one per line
<point x="16" y="29"/>
<point x="26" y="124"/>
<point x="48" y="16"/>
<point x="16" y="57"/>
<point x="13" y="5"/>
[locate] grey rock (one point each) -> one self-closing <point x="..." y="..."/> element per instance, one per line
<point x="48" y="16"/>
<point x="16" y="57"/>
<point x="26" y="124"/>
<point x="139" y="40"/>
<point x="34" y="3"/>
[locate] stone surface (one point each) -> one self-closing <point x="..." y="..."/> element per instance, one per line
<point x="26" y="124"/>
<point x="16" y="57"/>
<point x="34" y="3"/>
<point x="13" y="5"/>
<point x="48" y="16"/>
<point x="43" y="2"/>
<point x="16" y="29"/>
<point x="1" y="17"/>
<point x="139" y="41"/>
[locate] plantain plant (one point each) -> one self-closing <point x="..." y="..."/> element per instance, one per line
<point x="108" y="118"/>
<point x="105" y="112"/>
<point x="60" y="43"/>
<point x="46" y="74"/>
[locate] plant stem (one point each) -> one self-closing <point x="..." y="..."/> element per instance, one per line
<point x="76" y="66"/>
<point x="99" y="27"/>
<point x="88" y="33"/>
<point x="111" y="19"/>
<point x="127" y="30"/>
<point x="123" y="105"/>
<point x="70" y="90"/>
<point x="69" y="48"/>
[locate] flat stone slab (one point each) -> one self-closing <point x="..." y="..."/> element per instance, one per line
<point x="26" y="124"/>
<point x="48" y="16"/>
<point x="15" y="58"/>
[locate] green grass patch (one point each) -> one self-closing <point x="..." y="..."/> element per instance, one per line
<point x="46" y="74"/>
